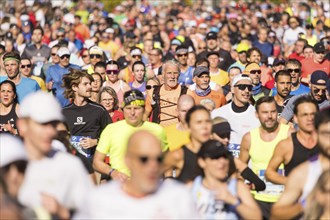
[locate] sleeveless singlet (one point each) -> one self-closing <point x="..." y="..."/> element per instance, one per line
<point x="300" y="154"/>
<point x="314" y="172"/>
<point x="261" y="152"/>
<point x="190" y="167"/>
<point x="11" y="117"/>
<point x="209" y="207"/>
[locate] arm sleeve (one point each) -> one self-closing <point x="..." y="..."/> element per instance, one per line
<point x="249" y="175"/>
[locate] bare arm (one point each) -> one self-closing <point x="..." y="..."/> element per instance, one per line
<point x="278" y="157"/>
<point x="171" y="160"/>
<point x="244" y="155"/>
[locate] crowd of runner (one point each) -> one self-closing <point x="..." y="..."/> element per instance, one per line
<point x="165" y="110"/>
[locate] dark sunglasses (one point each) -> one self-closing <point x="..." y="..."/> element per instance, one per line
<point x="182" y="55"/>
<point x="98" y="56"/>
<point x="202" y="48"/>
<point x="216" y="156"/>
<point x="144" y="159"/>
<point x="151" y="87"/>
<point x="225" y="135"/>
<point x="294" y="70"/>
<point x="53" y="54"/>
<point x="28" y="66"/>
<point x="112" y="72"/>
<point x="65" y="56"/>
<point x="60" y="35"/>
<point x="244" y="86"/>
<point x="317" y="90"/>
<point x="136" y="56"/>
<point x="255" y="71"/>
<point x="84" y="56"/>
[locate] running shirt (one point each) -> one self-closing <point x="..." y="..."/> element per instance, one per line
<point x="240" y="123"/>
<point x="190" y="169"/>
<point x="185" y="78"/>
<point x="171" y="201"/>
<point x="221" y="77"/>
<point x="260" y="154"/>
<point x="208" y="206"/>
<point x="176" y="138"/>
<point x="218" y="98"/>
<point x="11" y="117"/>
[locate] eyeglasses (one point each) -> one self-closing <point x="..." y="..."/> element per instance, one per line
<point x="24" y="66"/>
<point x="244" y="86"/>
<point x="145" y="159"/>
<point x="294" y="70"/>
<point x="65" y="56"/>
<point x="112" y="72"/>
<point x="53" y="54"/>
<point x="182" y="55"/>
<point x="98" y="56"/>
<point x="84" y="56"/>
<point x="107" y="100"/>
<point x="317" y="90"/>
<point x="202" y="48"/>
<point x="148" y="87"/>
<point x="255" y="71"/>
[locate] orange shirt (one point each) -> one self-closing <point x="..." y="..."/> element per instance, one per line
<point x="309" y="66"/>
<point x="218" y="98"/>
<point x="82" y="30"/>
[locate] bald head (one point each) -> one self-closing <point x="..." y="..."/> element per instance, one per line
<point x="141" y="141"/>
<point x="185" y="103"/>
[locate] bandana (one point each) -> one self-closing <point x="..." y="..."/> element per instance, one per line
<point x="203" y="93"/>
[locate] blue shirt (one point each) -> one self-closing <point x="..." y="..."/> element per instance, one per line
<point x="302" y="89"/>
<point x="25" y="87"/>
<point x="55" y="73"/>
<point x="265" y="48"/>
<point x="185" y="78"/>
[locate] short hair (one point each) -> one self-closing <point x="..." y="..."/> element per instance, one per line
<point x="302" y="40"/>
<point x="171" y="62"/>
<point x="13" y="54"/>
<point x="26" y="58"/>
<point x="113" y="62"/>
<point x="13" y="86"/>
<point x="159" y="51"/>
<point x="302" y="100"/>
<point x="73" y="79"/>
<point x="99" y="75"/>
<point x="321" y="117"/>
<point x="56" y="46"/>
<point x="138" y="63"/>
<point x="194" y="109"/>
<point x="39" y="28"/>
<point x="249" y="52"/>
<point x="235" y="67"/>
<point x="294" y="62"/>
<point x="100" y="64"/>
<point x="308" y="46"/>
<point x="111" y="92"/>
<point x="265" y="99"/>
<point x="281" y="73"/>
<point x="202" y="60"/>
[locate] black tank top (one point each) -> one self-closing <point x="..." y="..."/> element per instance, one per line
<point x="11" y="117"/>
<point x="300" y="154"/>
<point x="190" y="168"/>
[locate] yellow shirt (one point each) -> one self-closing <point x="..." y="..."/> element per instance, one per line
<point x="220" y="78"/>
<point x="113" y="141"/>
<point x="111" y="46"/>
<point x="176" y="138"/>
<point x="260" y="154"/>
<point x="40" y="82"/>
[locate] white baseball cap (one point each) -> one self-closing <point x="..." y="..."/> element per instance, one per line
<point x="11" y="150"/>
<point x="109" y="31"/>
<point x="63" y="51"/>
<point x="41" y="107"/>
<point x="240" y="77"/>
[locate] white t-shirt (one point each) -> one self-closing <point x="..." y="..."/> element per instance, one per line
<point x="62" y="176"/>
<point x="171" y="201"/>
<point x="291" y="36"/>
<point x="240" y="124"/>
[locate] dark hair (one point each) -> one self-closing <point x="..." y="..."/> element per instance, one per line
<point x="12" y="54"/>
<point x="13" y="86"/>
<point x="265" y="99"/>
<point x="302" y="40"/>
<point x="26" y="58"/>
<point x="19" y="164"/>
<point x="282" y="73"/>
<point x="234" y="67"/>
<point x="159" y="51"/>
<point x="193" y="110"/>
<point x="113" y="62"/>
<point x="304" y="99"/>
<point x="293" y="62"/>
<point x="39" y="28"/>
<point x="138" y="63"/>
<point x="307" y="46"/>
<point x="100" y="64"/>
<point x="181" y="47"/>
<point x="249" y="52"/>
<point x="202" y="60"/>
<point x="99" y="75"/>
<point x="321" y="117"/>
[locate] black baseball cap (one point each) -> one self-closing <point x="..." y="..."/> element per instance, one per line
<point x="319" y="48"/>
<point x="213" y="149"/>
<point x="211" y="35"/>
<point x="319" y="75"/>
<point x="134" y="97"/>
<point x="279" y="61"/>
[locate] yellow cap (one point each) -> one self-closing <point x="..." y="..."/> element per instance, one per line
<point x="242" y="47"/>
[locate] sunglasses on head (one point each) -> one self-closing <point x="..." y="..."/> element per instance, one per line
<point x="65" y="56"/>
<point x="317" y="90"/>
<point x="294" y="70"/>
<point x="148" y="87"/>
<point x="112" y="72"/>
<point x="27" y="65"/>
<point x="255" y="71"/>
<point x="182" y="55"/>
<point x="244" y="86"/>
<point x="98" y="56"/>
<point x="145" y="159"/>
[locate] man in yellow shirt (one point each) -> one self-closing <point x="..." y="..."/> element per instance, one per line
<point x="217" y="75"/>
<point x="107" y="43"/>
<point x="113" y="140"/>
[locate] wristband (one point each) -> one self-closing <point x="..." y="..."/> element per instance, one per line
<point x="111" y="171"/>
<point x="237" y="203"/>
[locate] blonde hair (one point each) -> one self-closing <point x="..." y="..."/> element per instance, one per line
<point x="111" y="92"/>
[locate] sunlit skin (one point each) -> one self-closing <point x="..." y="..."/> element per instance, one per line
<point x="26" y="71"/>
<point x="202" y="81"/>
<point x="294" y="76"/>
<point x="107" y="101"/>
<point x="318" y="91"/>
<point x="171" y="75"/>
<point x="12" y="69"/>
<point x="305" y="117"/>
<point x="112" y="77"/>
<point x="254" y="57"/>
<point x="7" y="95"/>
<point x="308" y="52"/>
<point x="241" y="98"/>
<point x="134" y="115"/>
<point x="267" y="115"/>
<point x="200" y="126"/>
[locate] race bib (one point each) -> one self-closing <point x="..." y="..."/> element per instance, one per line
<point x="75" y="142"/>
<point x="271" y="188"/>
<point x="234" y="149"/>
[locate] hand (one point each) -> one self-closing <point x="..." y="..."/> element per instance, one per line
<point x="9" y="127"/>
<point x="53" y="206"/>
<point x="223" y="194"/>
<point x="88" y="142"/>
<point x="50" y="85"/>
<point x="116" y="175"/>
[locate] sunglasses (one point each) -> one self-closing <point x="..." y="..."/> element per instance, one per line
<point x="53" y="54"/>
<point x="244" y="86"/>
<point x="225" y="135"/>
<point x="148" y="87"/>
<point x="24" y="66"/>
<point x="202" y="48"/>
<point x="216" y="156"/>
<point x="255" y="72"/>
<point x="84" y="56"/>
<point x="144" y="159"/>
<point x="317" y="90"/>
<point x="136" y="56"/>
<point x="98" y="56"/>
<point x="60" y="35"/>
<point x="65" y="56"/>
<point x="294" y="70"/>
<point x="182" y="55"/>
<point x="112" y="72"/>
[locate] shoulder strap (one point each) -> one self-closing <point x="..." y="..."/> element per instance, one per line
<point x="184" y="90"/>
<point x="156" y="104"/>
